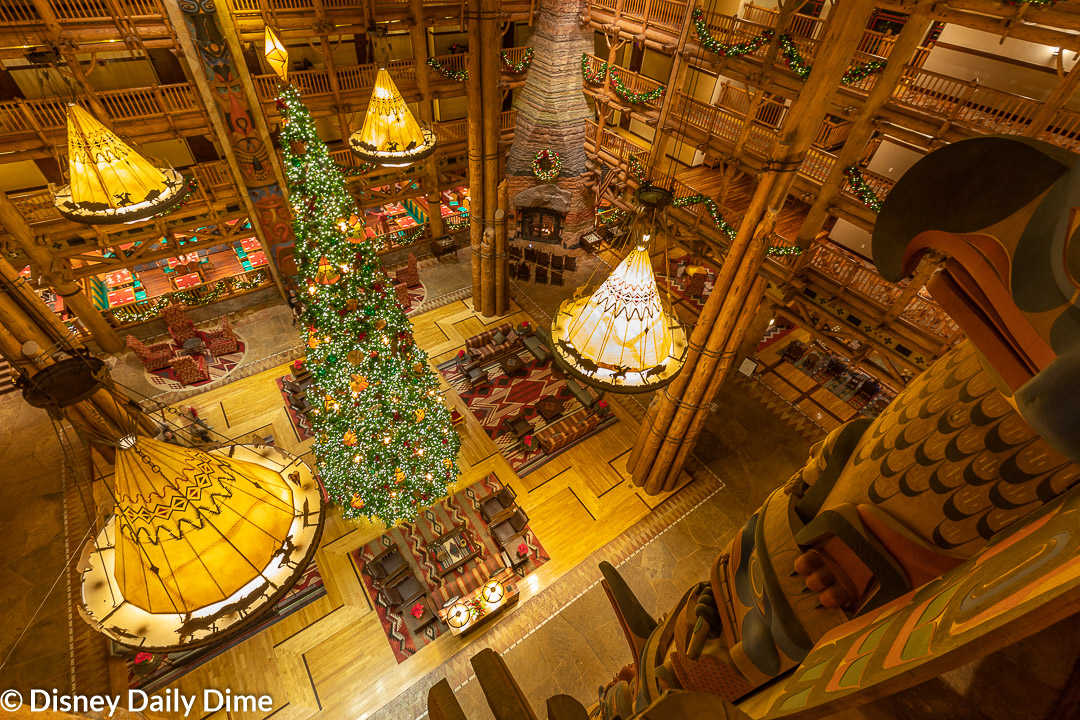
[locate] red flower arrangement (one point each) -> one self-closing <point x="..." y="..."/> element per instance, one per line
<point x="528" y="440"/>
<point x="523" y="549"/>
<point x="298" y="365"/>
<point x="602" y="404"/>
<point x="461" y="353"/>
<point x="417" y="610"/>
<point x="143" y="658"/>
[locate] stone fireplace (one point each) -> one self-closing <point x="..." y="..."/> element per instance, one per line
<point x="551" y="115"/>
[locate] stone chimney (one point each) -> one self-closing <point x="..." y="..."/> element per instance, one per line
<point x="551" y="115"/>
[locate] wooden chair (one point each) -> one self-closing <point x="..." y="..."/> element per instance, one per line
<point x="401" y="292"/>
<point x="495" y="504"/>
<point x="556" y="277"/>
<point x="294" y="388"/>
<point x="386" y="567"/>
<point x="530" y="255"/>
<point x="222" y="340"/>
<point x="516" y="253"/>
<point x="543" y="259"/>
<point x="408" y="275"/>
<point x="524" y="271"/>
<point x="405" y="591"/>
<point x="541" y="274"/>
<point x="570" y="263"/>
<point x="181" y="328"/>
<point x="557" y="262"/>
<point x="511" y="528"/>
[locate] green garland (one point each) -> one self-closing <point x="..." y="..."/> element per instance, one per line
<point x="733" y="50"/>
<point x="459" y="75"/>
<point x="459" y="223"/>
<point x="150" y="309"/>
<point x="714" y="212"/>
<point x="360" y="169"/>
<point x="779" y="250"/>
<point x="610" y="216"/>
<point x="861" y="188"/>
<point x="637" y="170"/>
<point x="517" y="68"/>
<point x="797" y="64"/>
<point x="553" y="162"/>
<point x="596" y="78"/>
<point x="794" y="59"/>
<point x="629" y="95"/>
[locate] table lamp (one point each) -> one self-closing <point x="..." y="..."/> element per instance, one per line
<point x="458" y="617"/>
<point x="492" y="592"/>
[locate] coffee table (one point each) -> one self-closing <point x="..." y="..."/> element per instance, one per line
<point x="452" y="549"/>
<point x="511" y="364"/>
<point x="550" y="407"/>
<point x="416" y="624"/>
<point x="194" y="346"/>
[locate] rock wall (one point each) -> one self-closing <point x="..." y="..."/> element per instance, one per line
<point x="552" y="112"/>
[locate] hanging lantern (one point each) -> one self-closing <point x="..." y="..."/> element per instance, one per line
<point x="110" y="182"/>
<point x="275" y="53"/>
<point x="390" y="136"/>
<point x="199" y="545"/>
<point x="621" y="338"/>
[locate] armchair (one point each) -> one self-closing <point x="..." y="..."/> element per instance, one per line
<point x="506" y="531"/>
<point x="180" y="326"/>
<point x="401" y="292"/>
<point x="386" y="567"/>
<point x="409" y="275"/>
<point x="153" y="357"/>
<point x="190" y="370"/>
<point x="222" y="340"/>
<point x="493" y="505"/>
<point x="403" y="592"/>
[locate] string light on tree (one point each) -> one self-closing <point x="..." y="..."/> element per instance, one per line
<point x="375" y="458"/>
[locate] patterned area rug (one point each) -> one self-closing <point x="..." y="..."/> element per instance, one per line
<point x="412" y="539"/>
<point x="218" y="365"/>
<point x="416" y="299"/>
<point x="775" y="332"/>
<point x="307" y="589"/>
<point x="502" y="399"/>
<point x="300" y="423"/>
<point x="667" y="280"/>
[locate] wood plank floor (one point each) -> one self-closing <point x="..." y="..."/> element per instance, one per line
<point x="331" y="659"/>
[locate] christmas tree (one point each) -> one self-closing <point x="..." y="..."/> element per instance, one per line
<point x="383" y="439"/>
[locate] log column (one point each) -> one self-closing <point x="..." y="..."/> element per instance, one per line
<point x="55" y="271"/>
<point x="674" y="420"/>
<point x="473" y="89"/>
<point x="418" y="37"/>
<point x="907" y="43"/>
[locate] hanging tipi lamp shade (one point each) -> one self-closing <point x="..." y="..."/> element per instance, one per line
<point x="390" y="137"/>
<point x="275" y="53"/>
<point x="110" y="182"/>
<point x="199" y="544"/>
<point x="621" y="338"/>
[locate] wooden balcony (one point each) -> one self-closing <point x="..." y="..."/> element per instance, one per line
<point x="144" y="114"/>
<point x="91" y="24"/>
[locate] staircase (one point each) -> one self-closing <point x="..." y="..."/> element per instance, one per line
<point x="7" y="378"/>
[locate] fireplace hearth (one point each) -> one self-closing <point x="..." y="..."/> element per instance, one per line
<point x="541" y="225"/>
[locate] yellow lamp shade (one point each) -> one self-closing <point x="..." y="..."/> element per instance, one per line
<point x="458" y="616"/>
<point x="492" y="592"/>
<point x="194" y="528"/>
<point x="110" y="182"/>
<point x="622" y="337"/>
<point x="390" y="135"/>
<point x="275" y="53"/>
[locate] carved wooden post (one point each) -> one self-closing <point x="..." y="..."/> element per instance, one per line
<point x="474" y="92"/>
<point x="674" y="420"/>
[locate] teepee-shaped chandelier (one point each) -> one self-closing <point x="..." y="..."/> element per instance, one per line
<point x="621" y="338"/>
<point x="390" y="137"/>
<point x="110" y="182"/>
<point x="198" y="542"/>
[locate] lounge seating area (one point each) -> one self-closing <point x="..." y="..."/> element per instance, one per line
<point x="492" y="343"/>
<point x="566" y="431"/>
<point x="188" y="354"/>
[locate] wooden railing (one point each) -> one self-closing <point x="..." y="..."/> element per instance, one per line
<point x="22" y="12"/>
<point x="832" y="133"/>
<point x="351" y="78"/>
<point x="1064" y="130"/>
<point x="143" y="310"/>
<point x="811" y="28"/>
<point x="252" y="7"/>
<point x="455" y="61"/>
<point x="728" y="30"/>
<point x="667" y="14"/>
<point x="514" y="56"/>
<point x="592" y="67"/>
<point x="38" y="114"/>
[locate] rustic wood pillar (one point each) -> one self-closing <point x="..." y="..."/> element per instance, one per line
<point x="475" y="123"/>
<point x="673" y="422"/>
<point x="53" y="270"/>
<point x="1053" y="104"/>
<point x="418" y="38"/>
<point x="676" y="79"/>
<point x="907" y="43"/>
<point x="490" y="74"/>
<point x="502" y="260"/>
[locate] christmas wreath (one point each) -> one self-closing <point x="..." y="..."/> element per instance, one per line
<point x="546" y="165"/>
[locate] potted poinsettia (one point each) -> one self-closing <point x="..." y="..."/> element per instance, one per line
<point x="417" y="610"/>
<point x="602" y="408"/>
<point x="525" y="328"/>
<point x="145" y="662"/>
<point x="528" y="442"/>
<point x="522" y="551"/>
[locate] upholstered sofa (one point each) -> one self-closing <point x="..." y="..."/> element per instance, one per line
<point x="585" y="395"/>
<point x="483" y="346"/>
<point x="456" y="586"/>
<point x="538" y="346"/>
<point x="570" y="429"/>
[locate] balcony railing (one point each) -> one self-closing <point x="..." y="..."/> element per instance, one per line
<point x="22" y="12"/>
<point x="811" y="28"/>
<point x="41" y="114"/>
<point x="351" y="78"/>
